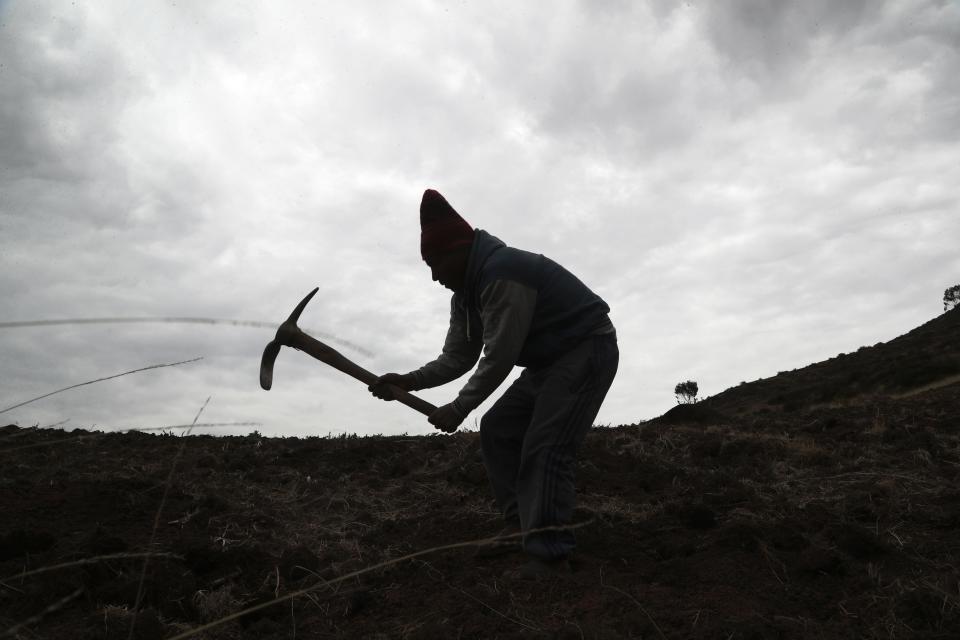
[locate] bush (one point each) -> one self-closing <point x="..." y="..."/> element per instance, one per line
<point x="686" y="392"/>
<point x="951" y="298"/>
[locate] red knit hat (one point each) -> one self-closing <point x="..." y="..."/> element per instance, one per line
<point x="442" y="228"/>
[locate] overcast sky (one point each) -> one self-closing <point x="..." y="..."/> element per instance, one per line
<point x="752" y="186"/>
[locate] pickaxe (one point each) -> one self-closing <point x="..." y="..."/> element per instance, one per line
<point x="290" y="335"/>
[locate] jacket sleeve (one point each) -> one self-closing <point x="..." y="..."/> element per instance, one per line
<point x="507" y="312"/>
<point x="460" y="352"/>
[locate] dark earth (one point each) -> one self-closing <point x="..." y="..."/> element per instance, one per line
<point x="820" y="503"/>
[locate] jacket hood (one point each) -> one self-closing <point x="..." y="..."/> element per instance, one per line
<point x="484" y="244"/>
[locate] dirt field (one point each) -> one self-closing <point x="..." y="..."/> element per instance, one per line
<point x="801" y="506"/>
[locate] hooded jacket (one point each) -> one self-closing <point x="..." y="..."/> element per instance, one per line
<point x="519" y="308"/>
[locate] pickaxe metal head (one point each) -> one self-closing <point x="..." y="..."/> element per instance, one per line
<point x="290" y="335"/>
<point x="284" y="331"/>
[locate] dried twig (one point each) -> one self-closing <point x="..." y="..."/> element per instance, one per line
<point x="56" y="606"/>
<point x="771" y="559"/>
<point x="443" y="579"/>
<point x="359" y="572"/>
<point x="499" y="613"/>
<point x="156" y="522"/>
<point x="85" y="561"/>
<point x="636" y="602"/>
<point x="860" y="474"/>
<point x="10" y="587"/>
<point x="74" y="386"/>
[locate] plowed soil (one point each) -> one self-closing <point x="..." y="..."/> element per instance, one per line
<point x="752" y="515"/>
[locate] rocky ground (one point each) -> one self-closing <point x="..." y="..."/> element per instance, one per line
<point x="821" y="503"/>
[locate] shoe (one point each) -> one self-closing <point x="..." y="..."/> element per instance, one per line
<point x="540" y="569"/>
<point x="497" y="547"/>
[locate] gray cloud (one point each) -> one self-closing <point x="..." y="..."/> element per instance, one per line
<point x="769" y="40"/>
<point x="744" y="182"/>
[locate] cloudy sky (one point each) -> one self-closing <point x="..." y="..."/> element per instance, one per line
<point x="752" y="185"/>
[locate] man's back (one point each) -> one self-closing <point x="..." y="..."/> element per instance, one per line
<point x="566" y="310"/>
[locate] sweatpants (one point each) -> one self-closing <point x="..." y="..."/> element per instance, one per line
<point x="530" y="436"/>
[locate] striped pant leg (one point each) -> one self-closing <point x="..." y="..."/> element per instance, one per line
<point x="568" y="397"/>
<point x="502" y="430"/>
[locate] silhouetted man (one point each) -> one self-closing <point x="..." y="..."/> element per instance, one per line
<point x="519" y="308"/>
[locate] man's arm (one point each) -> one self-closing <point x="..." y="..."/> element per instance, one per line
<point x="459" y="353"/>
<point x="507" y="314"/>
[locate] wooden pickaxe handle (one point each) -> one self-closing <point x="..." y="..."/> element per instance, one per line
<point x="335" y="359"/>
<point x="290" y="335"/>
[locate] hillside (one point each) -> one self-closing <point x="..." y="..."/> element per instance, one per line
<point x="820" y="503"/>
<point x="930" y="354"/>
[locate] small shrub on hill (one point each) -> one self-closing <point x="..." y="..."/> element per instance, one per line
<point x="951" y="297"/>
<point x="686" y="392"/>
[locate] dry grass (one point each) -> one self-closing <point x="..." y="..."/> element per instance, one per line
<point x="89" y="382"/>
<point x="379" y="566"/>
<point x="156" y="521"/>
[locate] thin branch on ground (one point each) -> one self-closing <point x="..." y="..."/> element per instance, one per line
<point x="56" y="606"/>
<point x="82" y="384"/>
<point x="444" y="580"/>
<point x="499" y="613"/>
<point x="10" y="587"/>
<point x="359" y="572"/>
<point x="85" y="561"/>
<point x="771" y="560"/>
<point x="636" y="602"/>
